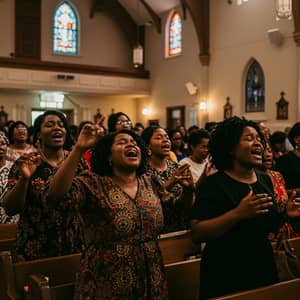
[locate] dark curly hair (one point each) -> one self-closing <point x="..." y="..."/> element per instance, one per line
<point x="224" y="139"/>
<point x="11" y="129"/>
<point x="148" y="132"/>
<point x="38" y="124"/>
<point x="111" y="123"/>
<point x="294" y="132"/>
<point x="102" y="150"/>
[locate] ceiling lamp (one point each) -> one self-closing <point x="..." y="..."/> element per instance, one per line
<point x="138" y="56"/>
<point x="283" y="9"/>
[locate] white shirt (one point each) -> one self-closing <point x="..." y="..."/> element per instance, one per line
<point x="196" y="168"/>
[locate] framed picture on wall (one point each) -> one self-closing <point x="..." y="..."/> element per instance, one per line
<point x="282" y="108"/>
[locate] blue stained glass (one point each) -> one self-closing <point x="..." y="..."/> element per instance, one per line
<point x="65" y="30"/>
<point x="255" y="88"/>
<point x="175" y="35"/>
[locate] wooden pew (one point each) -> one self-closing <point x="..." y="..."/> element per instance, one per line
<point x="53" y="278"/>
<point x="8" y="234"/>
<point x="183" y="274"/>
<point x="289" y="290"/>
<point x="41" y="279"/>
<point x="183" y="279"/>
<point x="177" y="246"/>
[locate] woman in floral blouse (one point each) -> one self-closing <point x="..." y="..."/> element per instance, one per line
<point x="43" y="231"/>
<point x="122" y="218"/>
<point x="175" y="182"/>
<point x="5" y="166"/>
<point x="281" y="196"/>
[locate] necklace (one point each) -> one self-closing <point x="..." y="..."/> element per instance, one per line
<point x="54" y="164"/>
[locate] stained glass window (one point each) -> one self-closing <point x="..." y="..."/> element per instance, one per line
<point x="175" y="35"/>
<point x="255" y="88"/>
<point x="65" y="30"/>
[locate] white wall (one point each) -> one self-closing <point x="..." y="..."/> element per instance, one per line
<point x="239" y="33"/>
<point x="102" y="42"/>
<point x="169" y="75"/>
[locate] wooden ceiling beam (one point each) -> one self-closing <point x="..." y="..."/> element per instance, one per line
<point x="199" y="11"/>
<point x="296" y="18"/>
<point x="155" y="18"/>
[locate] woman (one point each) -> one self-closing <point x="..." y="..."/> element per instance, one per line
<point x="122" y="217"/>
<point x="177" y="144"/>
<point x="43" y="231"/>
<point x="286" y="231"/>
<point x="289" y="164"/>
<point x="18" y="138"/>
<point x="234" y="213"/>
<point x="5" y="166"/>
<point x="174" y="182"/>
<point x="119" y="121"/>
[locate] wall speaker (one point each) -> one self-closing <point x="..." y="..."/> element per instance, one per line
<point x="275" y="37"/>
<point x="191" y="88"/>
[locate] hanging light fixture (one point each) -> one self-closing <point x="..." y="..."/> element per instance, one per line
<point x="137" y="56"/>
<point x="138" y="51"/>
<point x="283" y="9"/>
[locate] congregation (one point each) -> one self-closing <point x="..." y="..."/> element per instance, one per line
<point x="109" y="193"/>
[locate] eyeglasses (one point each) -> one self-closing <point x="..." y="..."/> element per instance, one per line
<point x="124" y="123"/>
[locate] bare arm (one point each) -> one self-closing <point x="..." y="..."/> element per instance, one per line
<point x="250" y="206"/>
<point x="14" y="200"/>
<point x="62" y="180"/>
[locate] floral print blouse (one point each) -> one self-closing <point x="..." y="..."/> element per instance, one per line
<point x="175" y="214"/>
<point x="45" y="230"/>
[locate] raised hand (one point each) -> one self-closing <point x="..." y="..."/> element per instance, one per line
<point x="293" y="206"/>
<point x="253" y="205"/>
<point x="89" y="135"/>
<point x="28" y="163"/>
<point x="178" y="176"/>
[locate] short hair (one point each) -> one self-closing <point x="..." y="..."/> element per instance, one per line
<point x="277" y="137"/>
<point x="112" y="120"/>
<point x="225" y="138"/>
<point x="39" y="121"/>
<point x="192" y="128"/>
<point x="294" y="132"/>
<point x="148" y="132"/>
<point x="100" y="154"/>
<point x="210" y="126"/>
<point x="11" y="129"/>
<point x="197" y="136"/>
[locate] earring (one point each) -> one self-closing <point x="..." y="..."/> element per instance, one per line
<point x="110" y="163"/>
<point x="149" y="152"/>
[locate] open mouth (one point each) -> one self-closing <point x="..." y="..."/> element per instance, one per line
<point x="257" y="152"/>
<point x="131" y="153"/>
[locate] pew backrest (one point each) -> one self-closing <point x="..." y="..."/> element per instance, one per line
<point x="289" y="290"/>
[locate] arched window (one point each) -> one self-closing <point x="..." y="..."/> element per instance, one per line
<point x="65" y="29"/>
<point x="174" y="35"/>
<point x="255" y="88"/>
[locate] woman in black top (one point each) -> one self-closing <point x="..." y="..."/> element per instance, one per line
<point x="234" y="213"/>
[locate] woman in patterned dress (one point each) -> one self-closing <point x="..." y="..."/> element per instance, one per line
<point x="122" y="217"/>
<point x="176" y="181"/>
<point x="43" y="231"/>
<point x="5" y="166"/>
<point x="281" y="196"/>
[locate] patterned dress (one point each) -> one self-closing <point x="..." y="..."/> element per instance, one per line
<point x="175" y="214"/>
<point x="4" y="171"/>
<point x="122" y="259"/>
<point x="286" y="230"/>
<point x="45" y="231"/>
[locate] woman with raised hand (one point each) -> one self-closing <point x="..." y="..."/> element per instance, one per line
<point x="174" y="182"/>
<point x="235" y="211"/>
<point x="122" y="217"/>
<point x="43" y="230"/>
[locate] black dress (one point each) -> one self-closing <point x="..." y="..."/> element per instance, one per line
<point x="242" y="258"/>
